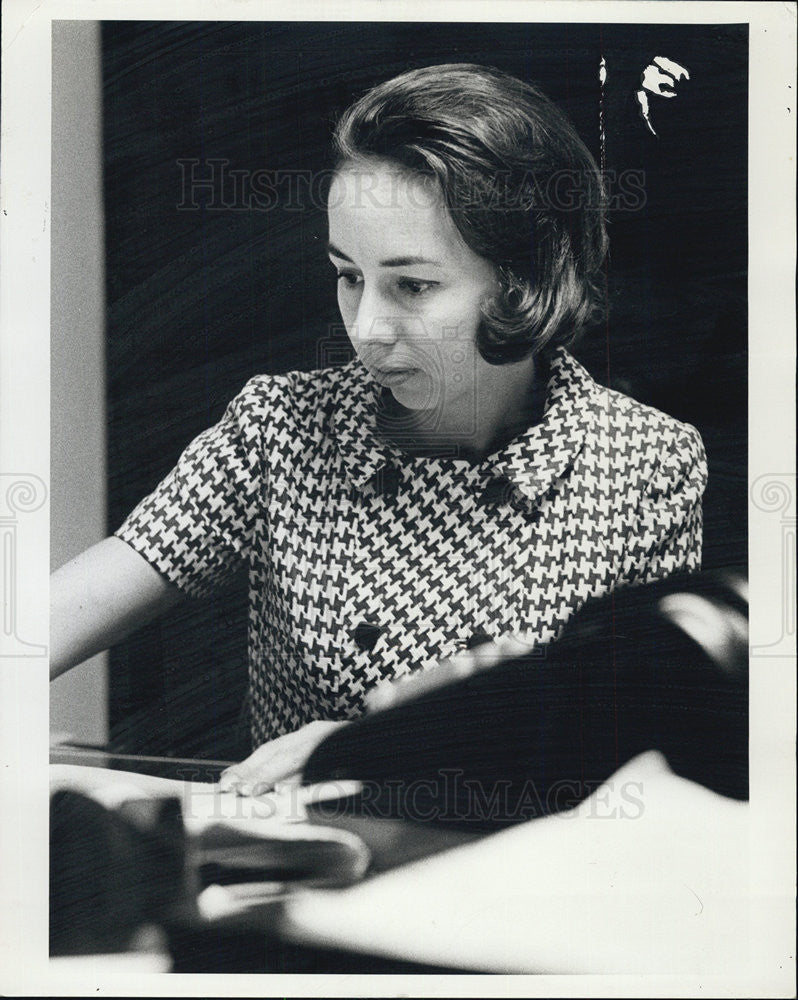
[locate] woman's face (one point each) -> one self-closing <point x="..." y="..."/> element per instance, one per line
<point x="409" y="288"/>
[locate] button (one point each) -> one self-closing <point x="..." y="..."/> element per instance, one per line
<point x="386" y="482"/>
<point x="366" y="635"/>
<point x="498" y="492"/>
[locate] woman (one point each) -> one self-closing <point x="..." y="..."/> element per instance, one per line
<point x="463" y="478"/>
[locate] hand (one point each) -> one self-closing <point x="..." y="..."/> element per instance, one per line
<point x="279" y="761"/>
<point x="481" y="657"/>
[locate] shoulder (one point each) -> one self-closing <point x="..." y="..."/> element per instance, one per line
<point x="668" y="471"/>
<point x="292" y="387"/>
<point x="290" y="399"/>
<point x="660" y="449"/>
<point x="647" y="428"/>
<point x="669" y="452"/>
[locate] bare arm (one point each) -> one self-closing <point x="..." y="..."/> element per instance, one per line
<point x="99" y="598"/>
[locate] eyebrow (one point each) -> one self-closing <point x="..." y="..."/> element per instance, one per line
<point x="390" y="262"/>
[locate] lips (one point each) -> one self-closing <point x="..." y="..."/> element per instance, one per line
<point x="393" y="376"/>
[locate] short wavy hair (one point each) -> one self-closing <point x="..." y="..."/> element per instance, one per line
<point x="518" y="182"/>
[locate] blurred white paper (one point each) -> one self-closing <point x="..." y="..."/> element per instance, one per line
<point x="647" y="875"/>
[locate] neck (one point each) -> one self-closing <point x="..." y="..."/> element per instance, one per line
<point x="510" y="400"/>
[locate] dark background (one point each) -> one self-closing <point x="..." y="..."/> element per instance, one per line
<point x="200" y="299"/>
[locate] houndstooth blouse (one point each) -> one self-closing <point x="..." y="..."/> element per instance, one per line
<point x="367" y="563"/>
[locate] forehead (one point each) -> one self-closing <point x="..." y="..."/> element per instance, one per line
<point x="380" y="209"/>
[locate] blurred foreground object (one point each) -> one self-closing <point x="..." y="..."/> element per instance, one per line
<point x="112" y="872"/>
<point x="131" y="852"/>
<point x="649" y="875"/>
<point x="662" y="667"/>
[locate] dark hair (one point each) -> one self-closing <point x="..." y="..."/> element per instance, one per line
<point x="520" y="185"/>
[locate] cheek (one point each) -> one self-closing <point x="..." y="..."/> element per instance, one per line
<point x="457" y="329"/>
<point x="459" y="346"/>
<point x="459" y="365"/>
<point x="461" y="311"/>
<point x="451" y="350"/>
<point x="347" y="307"/>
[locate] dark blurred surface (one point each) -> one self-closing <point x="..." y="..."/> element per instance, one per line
<point x="200" y="299"/>
<point x="662" y="667"/>
<point x="112" y="871"/>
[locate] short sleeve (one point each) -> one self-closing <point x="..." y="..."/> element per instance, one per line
<point x="667" y="535"/>
<point x="197" y="525"/>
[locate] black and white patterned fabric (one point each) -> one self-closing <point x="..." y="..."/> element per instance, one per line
<point x="367" y="563"/>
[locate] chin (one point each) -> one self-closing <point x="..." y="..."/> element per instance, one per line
<point x="419" y="393"/>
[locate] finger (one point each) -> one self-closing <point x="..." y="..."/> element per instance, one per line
<point x="233" y="780"/>
<point x="451" y="669"/>
<point x="262" y="776"/>
<point x="424" y="683"/>
<point x="276" y="761"/>
<point x="504" y="648"/>
<point x="228" y="778"/>
<point x="380" y="697"/>
<point x="396" y="692"/>
<point x="255" y="775"/>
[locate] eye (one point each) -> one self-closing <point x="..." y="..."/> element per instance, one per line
<point x="349" y="278"/>
<point x="415" y="287"/>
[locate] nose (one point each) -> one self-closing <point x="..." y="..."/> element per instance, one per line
<point x="373" y="322"/>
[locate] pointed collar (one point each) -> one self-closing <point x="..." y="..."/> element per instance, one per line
<point x="532" y="461"/>
<point x="354" y="425"/>
<point x="540" y="455"/>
